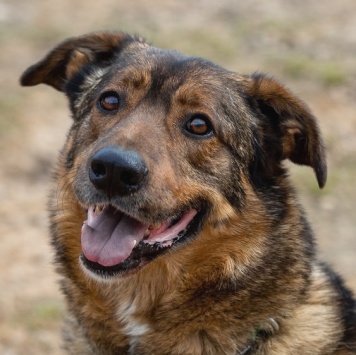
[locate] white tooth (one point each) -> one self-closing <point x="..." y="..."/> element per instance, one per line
<point x="98" y="210"/>
<point x="155" y="226"/>
<point x="134" y="243"/>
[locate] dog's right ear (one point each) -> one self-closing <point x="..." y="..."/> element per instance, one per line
<point x="70" y="56"/>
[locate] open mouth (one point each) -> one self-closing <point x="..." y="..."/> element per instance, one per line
<point x="113" y="242"/>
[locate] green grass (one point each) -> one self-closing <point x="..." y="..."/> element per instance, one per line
<point x="45" y="314"/>
<point x="328" y="73"/>
<point x="9" y="115"/>
<point x="331" y="74"/>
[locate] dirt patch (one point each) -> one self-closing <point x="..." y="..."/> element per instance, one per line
<point x="309" y="46"/>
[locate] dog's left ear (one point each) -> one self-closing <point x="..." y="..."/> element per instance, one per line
<point x="290" y="120"/>
<point x="70" y="56"/>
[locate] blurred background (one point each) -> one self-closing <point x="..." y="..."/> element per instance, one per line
<point x="309" y="45"/>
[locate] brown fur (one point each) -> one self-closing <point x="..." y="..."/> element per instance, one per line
<point x="248" y="281"/>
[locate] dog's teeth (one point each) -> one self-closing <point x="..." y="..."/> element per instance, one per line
<point x="97" y="210"/>
<point x="155" y="226"/>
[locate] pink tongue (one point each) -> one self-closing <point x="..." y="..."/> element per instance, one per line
<point x="109" y="238"/>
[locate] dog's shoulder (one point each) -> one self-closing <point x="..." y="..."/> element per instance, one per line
<point x="328" y="303"/>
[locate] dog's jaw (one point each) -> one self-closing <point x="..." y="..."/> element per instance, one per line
<point x="113" y="242"/>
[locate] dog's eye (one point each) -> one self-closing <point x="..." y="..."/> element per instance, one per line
<point x="199" y="125"/>
<point x="109" y="101"/>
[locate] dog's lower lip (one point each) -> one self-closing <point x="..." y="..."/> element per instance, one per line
<point x="113" y="241"/>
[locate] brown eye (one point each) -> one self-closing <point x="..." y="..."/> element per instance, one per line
<point x="199" y="125"/>
<point x="109" y="101"/>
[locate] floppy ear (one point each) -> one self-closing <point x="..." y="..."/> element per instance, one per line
<point x="70" y="56"/>
<point x="289" y="120"/>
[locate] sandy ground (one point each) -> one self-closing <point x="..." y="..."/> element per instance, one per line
<point x="310" y="46"/>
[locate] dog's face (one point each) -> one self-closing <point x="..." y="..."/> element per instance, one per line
<point x="164" y="145"/>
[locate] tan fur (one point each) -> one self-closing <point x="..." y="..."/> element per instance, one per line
<point x="248" y="281"/>
<point x="299" y="335"/>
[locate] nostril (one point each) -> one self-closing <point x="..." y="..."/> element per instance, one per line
<point x="132" y="177"/>
<point x="98" y="169"/>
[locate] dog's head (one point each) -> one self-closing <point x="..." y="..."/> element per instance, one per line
<point x="164" y="145"/>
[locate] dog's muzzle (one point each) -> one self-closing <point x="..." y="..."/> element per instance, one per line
<point x="114" y="241"/>
<point x="117" y="171"/>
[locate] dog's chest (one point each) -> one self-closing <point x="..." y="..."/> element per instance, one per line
<point x="133" y="327"/>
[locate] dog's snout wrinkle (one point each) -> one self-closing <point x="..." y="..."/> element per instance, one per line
<point x="117" y="171"/>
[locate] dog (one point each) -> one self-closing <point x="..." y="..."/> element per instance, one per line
<point x="174" y="223"/>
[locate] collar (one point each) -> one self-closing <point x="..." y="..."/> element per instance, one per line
<point x="261" y="333"/>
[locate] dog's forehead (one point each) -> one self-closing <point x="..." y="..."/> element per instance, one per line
<point x="165" y="73"/>
<point x="168" y="65"/>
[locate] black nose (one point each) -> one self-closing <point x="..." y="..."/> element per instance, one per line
<point x="117" y="171"/>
